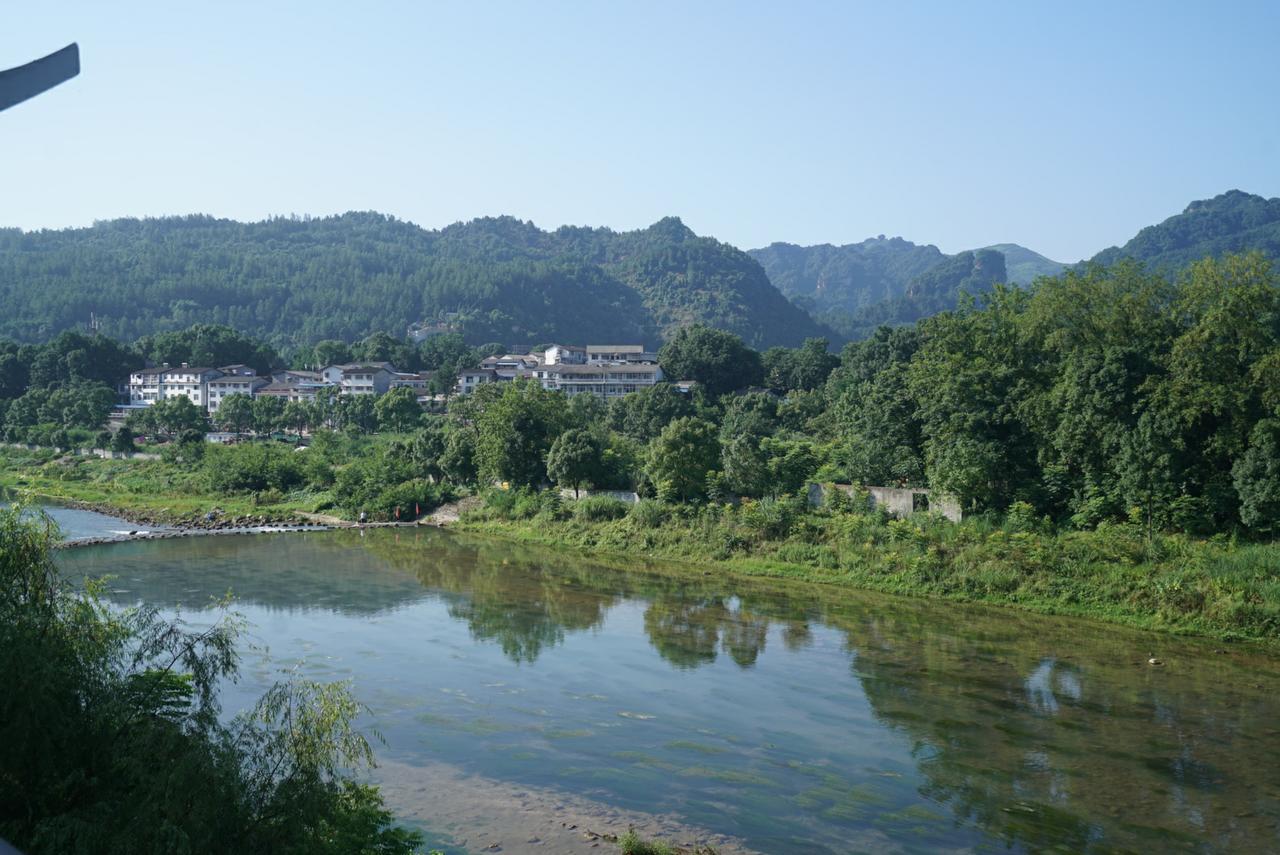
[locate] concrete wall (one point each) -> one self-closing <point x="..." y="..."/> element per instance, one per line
<point x="899" y="501"/>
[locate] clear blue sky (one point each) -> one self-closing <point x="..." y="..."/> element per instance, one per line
<point x="1061" y="126"/>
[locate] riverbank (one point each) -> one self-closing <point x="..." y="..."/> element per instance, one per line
<point x="1169" y="583"/>
<point x="143" y="492"/>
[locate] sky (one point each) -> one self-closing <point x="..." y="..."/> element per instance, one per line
<point x="1065" y="127"/>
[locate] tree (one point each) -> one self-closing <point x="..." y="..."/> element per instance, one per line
<point x="297" y="415"/>
<point x="716" y="359"/>
<point x="515" y="430"/>
<point x="1256" y="476"/>
<point x="208" y="345"/>
<point x="398" y="410"/>
<point x="458" y="460"/>
<point x="330" y="352"/>
<point x="681" y="458"/>
<point x="381" y="347"/>
<point x="122" y="440"/>
<point x="643" y="414"/>
<point x="174" y="415"/>
<point x="268" y="412"/>
<point x="235" y="413"/>
<point x="574" y="459"/>
<point x="804" y="368"/>
<point x="100" y="699"/>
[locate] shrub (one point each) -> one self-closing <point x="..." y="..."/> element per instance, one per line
<point x="252" y="468"/>
<point x="648" y="513"/>
<point x="600" y="509"/>
<point x="409" y="497"/>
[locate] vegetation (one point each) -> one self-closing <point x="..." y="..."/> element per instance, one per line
<point x="1230" y="223"/>
<point x="1170" y="582"/>
<point x="111" y="738"/>
<point x="297" y="282"/>
<point x="1102" y="398"/>
<point x="858" y="287"/>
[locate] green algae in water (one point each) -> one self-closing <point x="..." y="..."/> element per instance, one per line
<point x="1021" y="732"/>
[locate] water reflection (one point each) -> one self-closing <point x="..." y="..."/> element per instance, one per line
<point x="892" y="723"/>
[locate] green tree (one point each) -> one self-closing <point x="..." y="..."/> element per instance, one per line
<point x="716" y="359"/>
<point x="515" y="430"/>
<point x="268" y="414"/>
<point x="398" y="410"/>
<point x="1256" y="477"/>
<point x="172" y="416"/>
<point x="644" y="413"/>
<point x="297" y="415"/>
<point x="330" y="352"/>
<point x="100" y="700"/>
<point x="682" y="457"/>
<point x="235" y="413"/>
<point x="575" y="459"/>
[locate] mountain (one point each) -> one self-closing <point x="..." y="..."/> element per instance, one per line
<point x="847" y="278"/>
<point x="1023" y="265"/>
<point x="856" y="287"/>
<point x="294" y="281"/>
<point x="936" y="290"/>
<point x="1232" y="222"/>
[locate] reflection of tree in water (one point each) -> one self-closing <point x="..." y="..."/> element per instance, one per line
<point x="1044" y="753"/>
<point x="1039" y="732"/>
<point x="687" y="630"/>
<point x="504" y="593"/>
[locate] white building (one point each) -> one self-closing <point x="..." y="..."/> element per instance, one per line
<point x="150" y="385"/>
<point x="235" y="380"/>
<point x="361" y="378"/>
<point x="608" y="371"/>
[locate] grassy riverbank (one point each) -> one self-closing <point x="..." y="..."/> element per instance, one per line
<point x="1218" y="588"/>
<point x="140" y="490"/>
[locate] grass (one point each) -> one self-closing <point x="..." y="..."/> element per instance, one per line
<point x="138" y="488"/>
<point x="1173" y="583"/>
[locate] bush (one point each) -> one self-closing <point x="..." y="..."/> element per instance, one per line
<point x="600" y="509"/>
<point x="253" y="468"/>
<point x="648" y="513"/>
<point x="410" y="498"/>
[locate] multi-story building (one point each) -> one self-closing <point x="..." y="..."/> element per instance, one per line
<point x="234" y="380"/>
<point x="150" y="385"/>
<point x="361" y="378"/>
<point x="608" y="371"/>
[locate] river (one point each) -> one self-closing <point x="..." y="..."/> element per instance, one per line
<point x="526" y="695"/>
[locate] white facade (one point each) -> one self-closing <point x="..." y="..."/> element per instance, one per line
<point x="608" y="371"/>
<point x="151" y="385"/>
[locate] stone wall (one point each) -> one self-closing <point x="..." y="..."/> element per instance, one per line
<point x="898" y="501"/>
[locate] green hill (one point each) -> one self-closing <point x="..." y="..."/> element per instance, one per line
<point x="1232" y="222"/>
<point x="295" y="281"/>
<point x="1023" y="265"/>
<point x="856" y="287"/>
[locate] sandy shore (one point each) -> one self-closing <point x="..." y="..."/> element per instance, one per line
<point x="486" y="815"/>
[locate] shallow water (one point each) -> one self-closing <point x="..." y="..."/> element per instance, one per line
<point x="515" y="685"/>
<point x="75" y="524"/>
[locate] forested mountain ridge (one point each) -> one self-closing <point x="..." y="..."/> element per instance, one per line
<point x="296" y="281"/>
<point x="1234" y="221"/>
<point x="856" y="287"/>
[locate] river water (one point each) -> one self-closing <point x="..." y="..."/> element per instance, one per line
<point x="526" y="695"/>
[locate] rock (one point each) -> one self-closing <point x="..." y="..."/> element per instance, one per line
<point x="1154" y="661"/>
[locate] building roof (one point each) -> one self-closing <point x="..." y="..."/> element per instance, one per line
<point x="615" y="348"/>
<point x="364" y="366"/>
